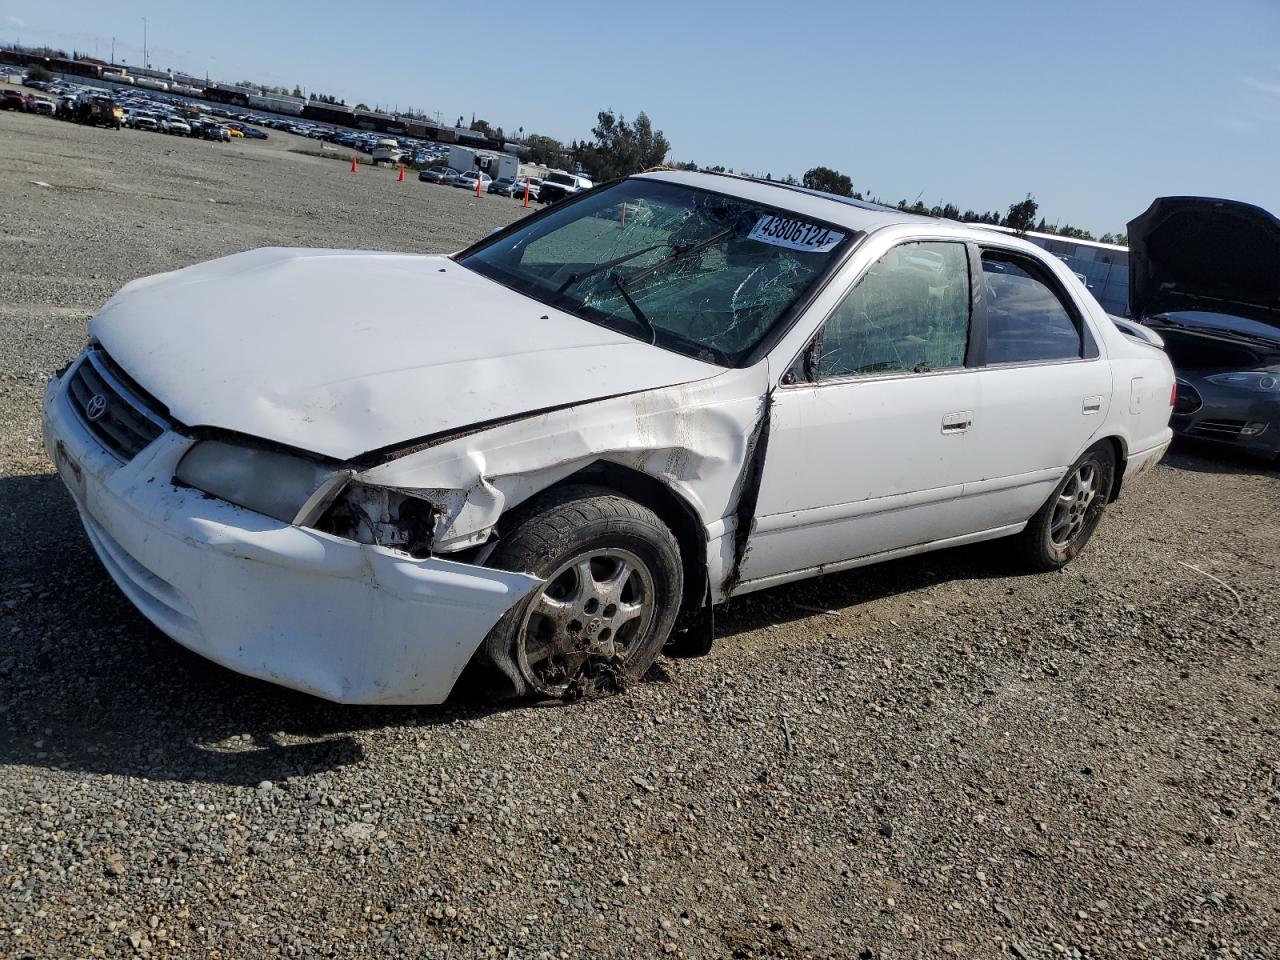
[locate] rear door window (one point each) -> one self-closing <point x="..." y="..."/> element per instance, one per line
<point x="1028" y="320"/>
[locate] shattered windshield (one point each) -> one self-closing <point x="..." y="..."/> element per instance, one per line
<point x="692" y="271"/>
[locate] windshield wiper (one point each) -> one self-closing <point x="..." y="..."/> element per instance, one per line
<point x="621" y="284"/>
<point x="681" y="251"/>
<point x="607" y="265"/>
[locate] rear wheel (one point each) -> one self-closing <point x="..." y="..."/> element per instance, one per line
<point x="612" y="587"/>
<point x="1062" y="527"/>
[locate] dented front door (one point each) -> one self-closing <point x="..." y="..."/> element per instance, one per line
<point x="856" y="468"/>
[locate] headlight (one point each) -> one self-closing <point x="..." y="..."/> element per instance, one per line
<point x="278" y="485"/>
<point x="1258" y="380"/>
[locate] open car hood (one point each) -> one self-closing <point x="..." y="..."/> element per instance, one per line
<point x="342" y="352"/>
<point x="1198" y="253"/>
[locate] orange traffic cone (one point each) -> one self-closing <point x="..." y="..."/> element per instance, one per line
<point x="354" y="168"/>
<point x="477" y="186"/>
<point x="401" y="175"/>
<point x="526" y="193"/>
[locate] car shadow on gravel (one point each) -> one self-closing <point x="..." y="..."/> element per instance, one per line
<point x="845" y="592"/>
<point x="86" y="683"/>
<point x="1199" y="457"/>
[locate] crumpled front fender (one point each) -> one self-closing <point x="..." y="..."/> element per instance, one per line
<point x="695" y="438"/>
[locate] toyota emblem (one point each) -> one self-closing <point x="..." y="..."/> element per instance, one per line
<point x="96" y="408"/>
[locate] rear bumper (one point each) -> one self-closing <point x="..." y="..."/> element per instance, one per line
<point x="1139" y="463"/>
<point x="344" y="621"/>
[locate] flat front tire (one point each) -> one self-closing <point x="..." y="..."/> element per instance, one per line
<point x="1061" y="528"/>
<point x="612" y="586"/>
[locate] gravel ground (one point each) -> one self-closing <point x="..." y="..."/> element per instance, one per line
<point x="938" y="756"/>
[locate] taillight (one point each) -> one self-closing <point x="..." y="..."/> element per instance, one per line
<point x="1173" y="394"/>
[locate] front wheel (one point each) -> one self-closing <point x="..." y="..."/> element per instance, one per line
<point x="612" y="584"/>
<point x="1061" y="528"/>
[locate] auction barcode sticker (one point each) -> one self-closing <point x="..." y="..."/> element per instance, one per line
<point x="794" y="234"/>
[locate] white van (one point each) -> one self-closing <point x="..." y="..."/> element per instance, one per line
<point x="387" y="151"/>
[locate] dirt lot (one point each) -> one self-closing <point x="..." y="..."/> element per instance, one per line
<point x="937" y="756"/>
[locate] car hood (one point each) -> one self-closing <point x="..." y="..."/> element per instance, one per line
<point x="1199" y="253"/>
<point x="342" y="352"/>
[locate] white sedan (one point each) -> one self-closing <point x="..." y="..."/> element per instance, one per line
<point x="663" y="393"/>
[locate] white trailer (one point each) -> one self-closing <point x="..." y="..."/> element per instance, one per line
<point x="496" y="165"/>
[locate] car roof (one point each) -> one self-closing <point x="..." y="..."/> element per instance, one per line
<point x="845" y="211"/>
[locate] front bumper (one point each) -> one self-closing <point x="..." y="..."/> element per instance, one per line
<point x="341" y="620"/>
<point x="1219" y="415"/>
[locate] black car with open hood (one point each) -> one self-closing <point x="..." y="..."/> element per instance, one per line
<point x="1199" y="253"/>
<point x="1205" y="273"/>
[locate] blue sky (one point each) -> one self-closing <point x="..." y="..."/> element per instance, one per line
<point x="1094" y="107"/>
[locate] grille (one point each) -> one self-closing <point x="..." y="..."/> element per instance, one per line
<point x="1219" y="429"/>
<point x="112" y="407"/>
<point x="1187" y="399"/>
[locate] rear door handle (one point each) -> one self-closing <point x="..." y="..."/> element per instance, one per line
<point x="1091" y="405"/>
<point x="957" y="422"/>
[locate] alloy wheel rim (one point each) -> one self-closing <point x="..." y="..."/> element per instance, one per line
<point x="596" y="606"/>
<point x="1071" y="508"/>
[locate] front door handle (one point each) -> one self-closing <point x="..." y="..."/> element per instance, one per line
<point x="957" y="422"/>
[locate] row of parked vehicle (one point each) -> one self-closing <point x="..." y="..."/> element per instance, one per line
<point x="165" y="113"/>
<point x="419" y="152"/>
<point x="125" y="108"/>
<point x="470" y="179"/>
<point x="555" y="186"/>
<point x="26" y="102"/>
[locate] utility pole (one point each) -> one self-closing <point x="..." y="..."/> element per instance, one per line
<point x="145" y="61"/>
<point x="113" y="51"/>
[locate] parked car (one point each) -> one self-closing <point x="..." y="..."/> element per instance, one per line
<point x="1205" y="275"/>
<point x="469" y="178"/>
<point x="143" y="120"/>
<point x="558" y="184"/>
<point x="503" y="186"/>
<point x="245" y="130"/>
<point x="175" y="125"/>
<point x="587" y="428"/>
<point x="437" y="175"/>
<point x="534" y="184"/>
<point x="13" y="100"/>
<point x="41" y="105"/>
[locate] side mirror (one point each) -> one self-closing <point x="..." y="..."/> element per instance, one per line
<point x="805" y="368"/>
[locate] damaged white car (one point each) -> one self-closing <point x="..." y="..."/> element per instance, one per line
<point x="668" y="391"/>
